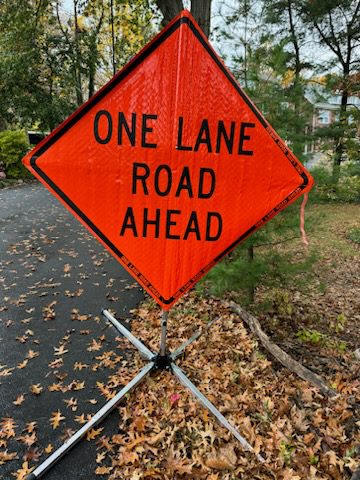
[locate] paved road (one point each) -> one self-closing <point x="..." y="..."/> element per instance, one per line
<point x="54" y="279"/>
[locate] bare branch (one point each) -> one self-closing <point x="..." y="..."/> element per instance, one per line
<point x="335" y="40"/>
<point x="327" y="42"/>
<point x="285" y="359"/>
<point x="63" y="31"/>
<point x="356" y="14"/>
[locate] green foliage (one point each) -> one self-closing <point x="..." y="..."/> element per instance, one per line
<point x="354" y="235"/>
<point x="54" y="58"/>
<point x="278" y="93"/>
<point x="313" y="459"/>
<point x="310" y="336"/>
<point x="32" y="66"/>
<point x="235" y="273"/>
<point x="328" y="189"/>
<point x="13" y="146"/>
<point x="269" y="264"/>
<point x="339" y="324"/>
<point x="281" y="302"/>
<point x="317" y="338"/>
<point x="286" y="451"/>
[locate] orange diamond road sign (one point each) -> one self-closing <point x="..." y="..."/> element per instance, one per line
<point x="170" y="165"/>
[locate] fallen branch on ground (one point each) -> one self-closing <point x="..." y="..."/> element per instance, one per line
<point x="285" y="359"/>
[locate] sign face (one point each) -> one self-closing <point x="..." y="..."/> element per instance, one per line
<point x="170" y="165"/>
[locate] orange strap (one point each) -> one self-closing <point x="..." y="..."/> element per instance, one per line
<point x="302" y="220"/>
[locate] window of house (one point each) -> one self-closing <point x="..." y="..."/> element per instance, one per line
<point x="324" y="116"/>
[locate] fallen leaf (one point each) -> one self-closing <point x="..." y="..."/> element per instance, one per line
<point x="103" y="470"/>
<point x="36" y="389"/>
<point x="22" y="473"/>
<point x="60" y="350"/>
<point x="93" y="433"/>
<point x="7" y="427"/>
<point x="56" y="418"/>
<point x="6" y="456"/>
<point x="100" y="457"/>
<point x="19" y="400"/>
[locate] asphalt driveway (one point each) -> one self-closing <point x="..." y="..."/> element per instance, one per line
<point x="54" y="280"/>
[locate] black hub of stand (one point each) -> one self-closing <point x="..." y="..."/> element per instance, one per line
<point x="162" y="362"/>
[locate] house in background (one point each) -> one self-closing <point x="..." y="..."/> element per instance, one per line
<point x="326" y="111"/>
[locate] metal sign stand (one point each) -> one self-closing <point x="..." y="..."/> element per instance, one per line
<point x="162" y="360"/>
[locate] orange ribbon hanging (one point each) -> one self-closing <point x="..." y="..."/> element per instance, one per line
<point x="302" y="220"/>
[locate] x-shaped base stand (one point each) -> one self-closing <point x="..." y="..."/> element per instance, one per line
<point x="162" y="360"/>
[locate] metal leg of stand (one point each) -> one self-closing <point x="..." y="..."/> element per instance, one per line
<point x="98" y="417"/>
<point x="181" y="349"/>
<point x="164" y="319"/>
<point x="144" y="351"/>
<point x="207" y="404"/>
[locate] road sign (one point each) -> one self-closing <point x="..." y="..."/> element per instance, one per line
<point x="170" y="165"/>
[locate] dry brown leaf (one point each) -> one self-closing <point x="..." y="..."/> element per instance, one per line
<point x="19" y="400"/>
<point x="49" y="448"/>
<point x="49" y="312"/>
<point x="80" y="366"/>
<point x="28" y="440"/>
<point x="100" y="457"/>
<point x="36" y="389"/>
<point x="104" y="442"/>
<point x="139" y="424"/>
<point x="56" y="418"/>
<point x="93" y="433"/>
<point x="103" y="470"/>
<point x="60" y="350"/>
<point x="31" y="354"/>
<point x="7" y="427"/>
<point x="71" y="403"/>
<point x="32" y="455"/>
<point x="224" y="459"/>
<point x="30" y="427"/>
<point x="5" y="456"/>
<point x="179" y="465"/>
<point x="67" y="268"/>
<point x="23" y="364"/>
<point x="154" y="439"/>
<point x="22" y="473"/>
<point x="94" y="346"/>
<point x="55" y="387"/>
<point x="80" y="419"/>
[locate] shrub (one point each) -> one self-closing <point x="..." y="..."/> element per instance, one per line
<point x="261" y="260"/>
<point x="13" y="146"/>
<point x="346" y="189"/>
<point x="354" y="235"/>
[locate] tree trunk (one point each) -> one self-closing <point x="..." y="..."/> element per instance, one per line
<point x="295" y="42"/>
<point x="339" y="148"/>
<point x="77" y="66"/>
<point x="200" y="10"/>
<point x="112" y="36"/>
<point x="169" y="9"/>
<point x="92" y="66"/>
